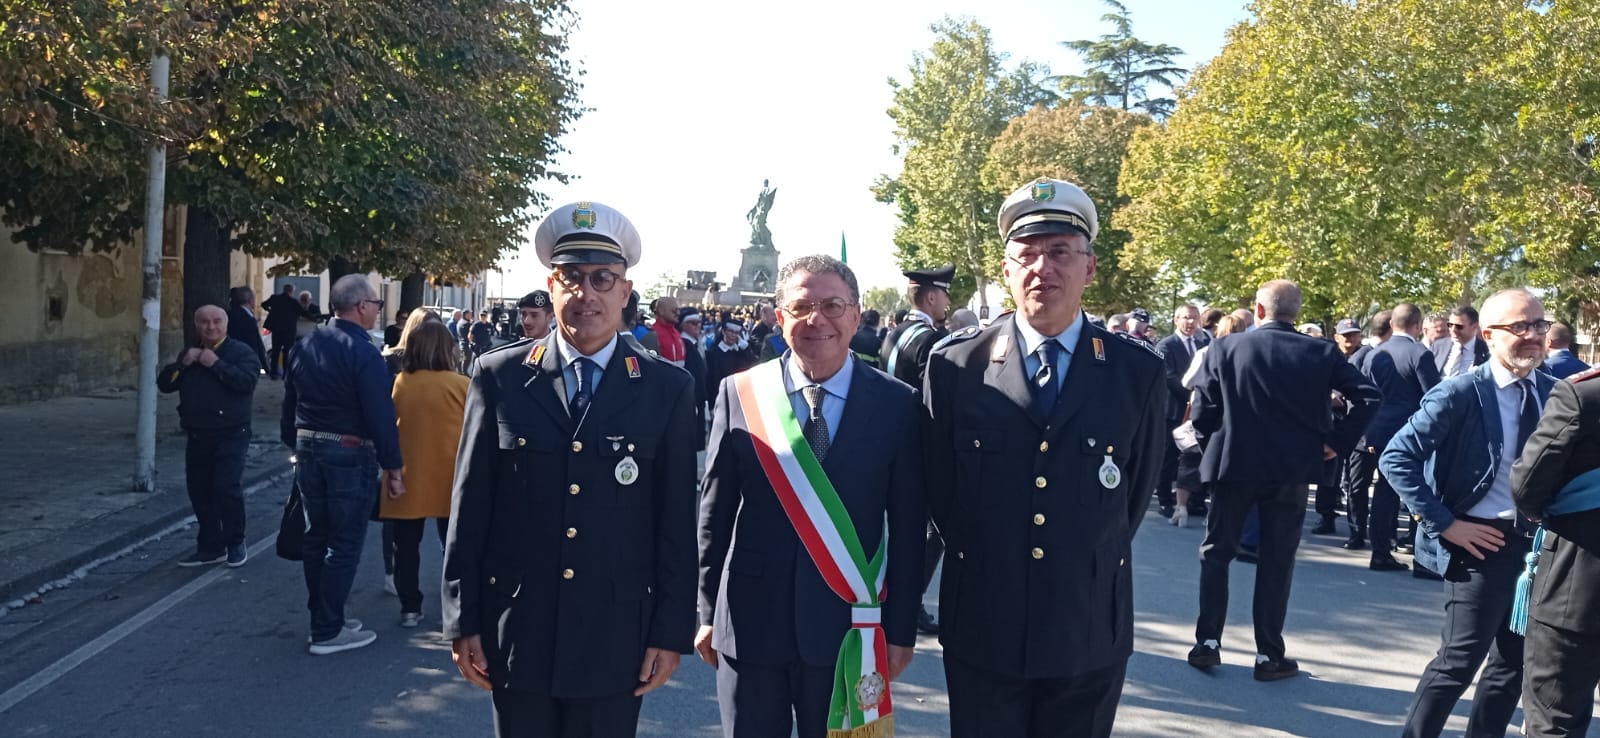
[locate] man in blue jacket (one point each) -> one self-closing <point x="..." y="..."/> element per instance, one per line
<point x="1409" y="373"/>
<point x="1464" y="439"/>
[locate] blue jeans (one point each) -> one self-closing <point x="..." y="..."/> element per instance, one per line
<point x="339" y="486"/>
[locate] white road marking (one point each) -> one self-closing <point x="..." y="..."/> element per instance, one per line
<point x="47" y="676"/>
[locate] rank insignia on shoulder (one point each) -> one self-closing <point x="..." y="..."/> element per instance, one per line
<point x="535" y="356"/>
<point x="1136" y="342"/>
<point x="1099" y="349"/>
<point x="632" y="362"/>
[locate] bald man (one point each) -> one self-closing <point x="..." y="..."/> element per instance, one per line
<point x="216" y="384"/>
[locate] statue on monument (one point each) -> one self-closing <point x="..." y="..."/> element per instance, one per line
<point x="760" y="236"/>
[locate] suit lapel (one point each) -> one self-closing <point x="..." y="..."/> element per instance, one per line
<point x="1006" y="370"/>
<point x="1083" y="378"/>
<point x="855" y="424"/>
<point x="547" y="385"/>
<point x="1489" y="405"/>
<point x="616" y="391"/>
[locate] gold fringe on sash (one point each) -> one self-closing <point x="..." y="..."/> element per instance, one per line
<point x="881" y="728"/>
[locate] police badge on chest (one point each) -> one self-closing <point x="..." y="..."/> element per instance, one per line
<point x="627" y="471"/>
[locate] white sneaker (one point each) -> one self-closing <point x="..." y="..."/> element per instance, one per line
<point x="349" y="624"/>
<point x="388" y="585"/>
<point x="1180" y="517"/>
<point x="346" y="640"/>
<point x="410" y="619"/>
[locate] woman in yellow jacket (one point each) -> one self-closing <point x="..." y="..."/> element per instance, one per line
<point x="429" y="402"/>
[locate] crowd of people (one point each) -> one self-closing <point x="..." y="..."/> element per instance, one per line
<point x="847" y="453"/>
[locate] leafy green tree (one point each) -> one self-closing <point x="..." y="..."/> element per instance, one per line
<point x="885" y="300"/>
<point x="400" y="136"/>
<point x="1120" y="68"/>
<point x="1085" y="145"/>
<point x="958" y="98"/>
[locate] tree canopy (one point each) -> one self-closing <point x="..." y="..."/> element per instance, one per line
<point x="1120" y="68"/>
<point x="403" y="135"/>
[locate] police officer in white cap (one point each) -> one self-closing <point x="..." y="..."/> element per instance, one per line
<point x="569" y="576"/>
<point x="1047" y="434"/>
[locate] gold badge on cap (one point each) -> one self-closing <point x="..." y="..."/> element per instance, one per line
<point x="583" y="216"/>
<point x="1043" y="190"/>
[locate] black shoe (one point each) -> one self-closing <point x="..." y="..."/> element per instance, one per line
<point x="200" y="558"/>
<point x="1246" y="554"/>
<point x="926" y="623"/>
<point x="1203" y="657"/>
<point x="237" y="555"/>
<point x="1355" y="542"/>
<point x="1421" y="573"/>
<point x="1166" y="511"/>
<point x="1275" y="669"/>
<point x="1324" y="528"/>
<point x="1386" y="563"/>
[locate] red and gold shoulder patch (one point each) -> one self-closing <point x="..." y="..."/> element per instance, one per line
<point x="535" y="356"/>
<point x="632" y="362"/>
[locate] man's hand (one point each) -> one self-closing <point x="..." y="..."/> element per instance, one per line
<point x="467" y="652"/>
<point x="397" y="486"/>
<point x="656" y="670"/>
<point x="1328" y="453"/>
<point x="1473" y="536"/>
<point x="189" y="357"/>
<point x="702" y="646"/>
<point x="207" y="357"/>
<point x="899" y="659"/>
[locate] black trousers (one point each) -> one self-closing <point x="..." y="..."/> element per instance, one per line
<point x="520" y="713"/>
<point x="1330" y="488"/>
<point x="761" y="700"/>
<point x="1477" y="624"/>
<point x="408" y="558"/>
<point x="1558" y="683"/>
<point x="984" y="704"/>
<point x="1358" y="469"/>
<point x="213" y="466"/>
<point x="1385" y="508"/>
<point x="1283" y="515"/>
<point x="1169" y="468"/>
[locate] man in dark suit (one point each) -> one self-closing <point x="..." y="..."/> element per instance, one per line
<point x="690" y="322"/>
<point x="1176" y="351"/>
<point x="777" y="600"/>
<point x="1463" y="350"/>
<point x="1555" y="482"/>
<point x="283" y="312"/>
<point x="1046" y="436"/>
<point x="242" y="325"/>
<point x="569" y="567"/>
<point x="1347" y="336"/>
<point x="867" y="343"/>
<point x="905" y="350"/>
<point x="1407" y="375"/>
<point x="1559" y="362"/>
<point x="1451" y="465"/>
<point x="1264" y="404"/>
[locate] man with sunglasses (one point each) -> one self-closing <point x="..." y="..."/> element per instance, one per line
<point x="1461" y="351"/>
<point x="339" y="418"/>
<point x="1046" y="437"/>
<point x="569" y="566"/>
<point x="811" y="524"/>
<point x="1451" y="465"/>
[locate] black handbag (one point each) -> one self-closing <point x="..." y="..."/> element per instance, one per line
<point x="292" y="529"/>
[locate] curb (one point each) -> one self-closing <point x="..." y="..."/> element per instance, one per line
<point x="43" y="579"/>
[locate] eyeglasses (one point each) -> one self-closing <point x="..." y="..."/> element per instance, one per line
<point x="1523" y="328"/>
<point x="379" y="303"/>
<point x="1458" y="327"/>
<point x="1054" y="255"/>
<point x="599" y="280"/>
<point x="832" y="307"/>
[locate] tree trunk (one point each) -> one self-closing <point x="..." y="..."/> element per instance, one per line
<point x="411" y="291"/>
<point x="338" y="267"/>
<point x="206" y="248"/>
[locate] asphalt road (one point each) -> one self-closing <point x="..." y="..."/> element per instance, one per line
<point x="140" y="647"/>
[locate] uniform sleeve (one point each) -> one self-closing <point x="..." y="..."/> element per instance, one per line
<point x="672" y="625"/>
<point x="1362" y="398"/>
<point x="1403" y="463"/>
<point x="938" y="446"/>
<point x="908" y="524"/>
<point x="1150" y="441"/>
<point x="1541" y="470"/>
<point x="719" y="502"/>
<point x="375" y="386"/>
<point x="471" y="501"/>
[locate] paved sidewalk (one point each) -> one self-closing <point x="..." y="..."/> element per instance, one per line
<point x="66" y="495"/>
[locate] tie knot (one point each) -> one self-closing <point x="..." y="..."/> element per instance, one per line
<point x="814" y="395"/>
<point x="1049" y="351"/>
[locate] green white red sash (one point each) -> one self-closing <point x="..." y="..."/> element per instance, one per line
<point x="861" y="704"/>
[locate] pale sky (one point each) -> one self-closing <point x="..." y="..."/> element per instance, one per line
<point x="692" y="104"/>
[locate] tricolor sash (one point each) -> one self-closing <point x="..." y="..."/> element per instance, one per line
<point x="861" y="707"/>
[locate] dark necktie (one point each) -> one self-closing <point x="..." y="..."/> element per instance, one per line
<point x="816" y="430"/>
<point x="1529" y="416"/>
<point x="584" y="369"/>
<point x="1045" y="387"/>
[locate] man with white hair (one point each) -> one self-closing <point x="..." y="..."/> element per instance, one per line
<point x="339" y="418"/>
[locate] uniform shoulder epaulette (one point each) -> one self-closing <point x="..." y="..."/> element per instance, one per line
<point x="1585" y="375"/>
<point x="1137" y="342"/>
<point x="503" y="347"/>
<point x="957" y="337"/>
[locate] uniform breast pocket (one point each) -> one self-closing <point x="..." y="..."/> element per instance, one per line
<point x="629" y="461"/>
<point x="1104" y="456"/>
<point x="978" y="459"/>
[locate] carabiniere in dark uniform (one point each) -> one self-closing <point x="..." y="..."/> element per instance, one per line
<point x="905" y="350"/>
<point x="572" y="547"/>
